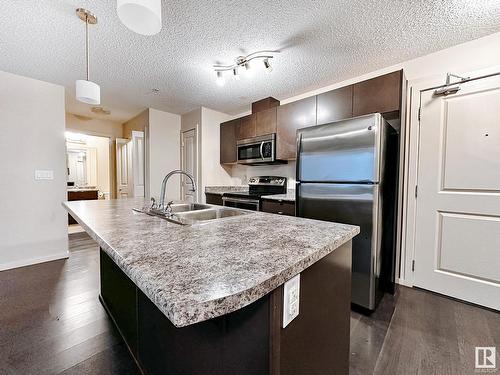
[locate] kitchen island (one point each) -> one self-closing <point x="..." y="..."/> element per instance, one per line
<point x="208" y="298"/>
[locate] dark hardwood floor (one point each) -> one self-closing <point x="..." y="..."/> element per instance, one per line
<point x="52" y="322"/>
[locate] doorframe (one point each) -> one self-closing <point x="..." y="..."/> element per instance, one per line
<point x="409" y="224"/>
<point x="111" y="157"/>
<point x="197" y="131"/>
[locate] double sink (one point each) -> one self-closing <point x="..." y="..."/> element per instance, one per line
<point x="186" y="213"/>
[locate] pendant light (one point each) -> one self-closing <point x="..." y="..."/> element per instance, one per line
<point x="86" y="90"/>
<point x="141" y="16"/>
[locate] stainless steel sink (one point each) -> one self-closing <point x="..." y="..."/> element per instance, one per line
<point x="183" y="207"/>
<point x="211" y="214"/>
<point x="193" y="213"/>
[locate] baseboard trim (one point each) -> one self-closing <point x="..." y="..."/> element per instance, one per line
<point x="32" y="261"/>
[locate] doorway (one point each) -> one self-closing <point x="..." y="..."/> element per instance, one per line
<point x="130" y="166"/>
<point x="88" y="169"/>
<point x="189" y="164"/>
<point x="457" y="232"/>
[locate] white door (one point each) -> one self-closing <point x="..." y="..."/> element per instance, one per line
<point x="138" y="154"/>
<point x="188" y="164"/>
<point x="457" y="242"/>
<point x="123" y="168"/>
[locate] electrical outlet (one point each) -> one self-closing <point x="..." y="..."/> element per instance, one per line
<point x="291" y="300"/>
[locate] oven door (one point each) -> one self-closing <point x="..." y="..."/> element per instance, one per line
<point x="256" y="150"/>
<point x="244" y="203"/>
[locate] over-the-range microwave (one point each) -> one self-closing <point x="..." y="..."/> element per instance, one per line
<point x="258" y="150"/>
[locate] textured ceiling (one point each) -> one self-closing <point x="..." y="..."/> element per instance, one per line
<point x="322" y="42"/>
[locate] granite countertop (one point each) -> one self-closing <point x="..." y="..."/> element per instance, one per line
<point x="220" y="190"/>
<point x="289" y="196"/>
<point x="195" y="273"/>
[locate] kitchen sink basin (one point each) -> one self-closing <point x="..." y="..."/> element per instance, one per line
<point x="192" y="213"/>
<point x="211" y="214"/>
<point x="183" y="207"/>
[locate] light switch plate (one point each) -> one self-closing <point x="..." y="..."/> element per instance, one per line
<point x="41" y="174"/>
<point x="291" y="299"/>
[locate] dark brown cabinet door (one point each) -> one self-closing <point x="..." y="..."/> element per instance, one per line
<point x="381" y="94"/>
<point x="246" y="127"/>
<point x="334" y="105"/>
<point x="266" y="122"/>
<point x="290" y="117"/>
<point x="228" y="141"/>
<point x="213" y="199"/>
<point x="278" y="207"/>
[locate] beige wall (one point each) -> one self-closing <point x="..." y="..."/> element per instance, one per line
<point x="138" y="123"/>
<point x="164" y="152"/>
<point x="33" y="224"/>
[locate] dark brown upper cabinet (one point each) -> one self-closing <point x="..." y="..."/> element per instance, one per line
<point x="381" y="94"/>
<point x="246" y="127"/>
<point x="228" y="141"/>
<point x="334" y="105"/>
<point x="290" y="117"/>
<point x="264" y="104"/>
<point x="266" y="122"/>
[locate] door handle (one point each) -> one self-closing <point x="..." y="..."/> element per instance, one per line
<point x="262" y="150"/>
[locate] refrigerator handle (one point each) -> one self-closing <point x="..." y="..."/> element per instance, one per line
<point x="297" y="163"/>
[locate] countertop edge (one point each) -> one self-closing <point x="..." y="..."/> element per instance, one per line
<point x="183" y="314"/>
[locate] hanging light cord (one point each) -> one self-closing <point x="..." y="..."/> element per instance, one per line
<point x="87" y="55"/>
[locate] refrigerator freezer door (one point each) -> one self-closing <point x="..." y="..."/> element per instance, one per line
<point x="343" y="151"/>
<point x="356" y="205"/>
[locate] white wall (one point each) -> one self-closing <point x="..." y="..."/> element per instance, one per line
<point x="474" y="55"/>
<point x="164" y="151"/>
<point x="33" y="224"/>
<point x="212" y="172"/>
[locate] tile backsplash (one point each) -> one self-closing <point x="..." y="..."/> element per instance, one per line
<point x="241" y="173"/>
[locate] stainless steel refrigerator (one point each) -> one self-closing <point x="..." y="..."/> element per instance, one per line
<point x="347" y="173"/>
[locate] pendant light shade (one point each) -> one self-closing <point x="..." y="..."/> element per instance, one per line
<point x="140" y="16"/>
<point x="88" y="92"/>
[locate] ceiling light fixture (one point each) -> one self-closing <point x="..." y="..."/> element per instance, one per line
<point x="100" y="111"/>
<point x="243" y="63"/>
<point x="141" y="16"/>
<point x="86" y="90"/>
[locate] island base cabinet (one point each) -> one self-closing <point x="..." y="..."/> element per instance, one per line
<point x="249" y="341"/>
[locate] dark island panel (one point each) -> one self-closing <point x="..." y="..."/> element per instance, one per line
<point x="249" y="341"/>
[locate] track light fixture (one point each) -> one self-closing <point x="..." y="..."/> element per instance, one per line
<point x="242" y="64"/>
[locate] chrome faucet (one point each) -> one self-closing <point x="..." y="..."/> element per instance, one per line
<point x="161" y="205"/>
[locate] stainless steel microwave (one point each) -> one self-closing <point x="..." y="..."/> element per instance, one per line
<point x="257" y="150"/>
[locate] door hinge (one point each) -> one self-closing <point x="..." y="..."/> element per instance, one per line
<point x="416" y="191"/>
<point x="413" y="266"/>
<point x="419" y="113"/>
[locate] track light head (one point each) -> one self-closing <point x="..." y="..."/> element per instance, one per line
<point x="267" y="65"/>
<point x="221" y="81"/>
<point x="236" y="75"/>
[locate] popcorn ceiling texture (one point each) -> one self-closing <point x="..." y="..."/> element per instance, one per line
<point x="322" y="42"/>
<point x="199" y="272"/>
